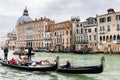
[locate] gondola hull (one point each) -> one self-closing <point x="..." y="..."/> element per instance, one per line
<point x="52" y="67"/>
<point x="43" y="68"/>
<point x="84" y="69"/>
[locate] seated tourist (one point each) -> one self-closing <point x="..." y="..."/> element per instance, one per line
<point x="67" y="65"/>
<point x="44" y="62"/>
<point x="33" y="64"/>
<point x="12" y="61"/>
<point x="23" y="61"/>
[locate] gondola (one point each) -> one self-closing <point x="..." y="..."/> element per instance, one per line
<point x="84" y="69"/>
<point x="52" y="67"/>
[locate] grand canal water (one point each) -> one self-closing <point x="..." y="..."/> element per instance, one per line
<point x="111" y="69"/>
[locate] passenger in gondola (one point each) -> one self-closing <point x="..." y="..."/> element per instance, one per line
<point x="44" y="62"/>
<point x="23" y="61"/>
<point x="12" y="61"/>
<point x="53" y="63"/>
<point x="67" y="65"/>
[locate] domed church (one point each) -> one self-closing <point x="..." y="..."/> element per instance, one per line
<point x="32" y="32"/>
<point x="24" y="18"/>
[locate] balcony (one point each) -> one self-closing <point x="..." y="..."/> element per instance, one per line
<point x="82" y="42"/>
<point x="118" y="41"/>
<point x="59" y="43"/>
<point x="102" y="32"/>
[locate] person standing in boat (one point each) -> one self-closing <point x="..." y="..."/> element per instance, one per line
<point x="29" y="53"/>
<point x="5" y="53"/>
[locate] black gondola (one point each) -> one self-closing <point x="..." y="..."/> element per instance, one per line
<point x="52" y="67"/>
<point x="84" y="69"/>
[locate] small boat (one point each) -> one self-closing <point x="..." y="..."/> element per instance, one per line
<point x="83" y="69"/>
<point x="51" y="67"/>
<point x="21" y="52"/>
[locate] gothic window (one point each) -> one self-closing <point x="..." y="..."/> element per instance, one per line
<point x="95" y="29"/>
<point x="66" y="32"/>
<point x="77" y="31"/>
<point x="100" y="38"/>
<point x="101" y="20"/>
<point x="108" y="28"/>
<point x="103" y="38"/>
<point x="89" y="30"/>
<point x="81" y="31"/>
<point x="117" y="17"/>
<point x="114" y="37"/>
<point x="90" y="37"/>
<point x="118" y="27"/>
<point x="94" y="37"/>
<point x="77" y="25"/>
<point x="118" y="37"/>
<point x="103" y="28"/>
<point x="100" y="28"/>
<point x="109" y="19"/>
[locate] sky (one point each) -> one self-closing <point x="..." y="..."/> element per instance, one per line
<point x="57" y="10"/>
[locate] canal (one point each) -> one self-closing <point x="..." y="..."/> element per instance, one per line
<point x="111" y="68"/>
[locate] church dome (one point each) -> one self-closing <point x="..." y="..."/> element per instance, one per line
<point x="24" y="18"/>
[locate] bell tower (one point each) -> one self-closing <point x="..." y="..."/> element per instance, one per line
<point x="25" y="13"/>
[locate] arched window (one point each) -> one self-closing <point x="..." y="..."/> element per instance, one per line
<point x="103" y="38"/>
<point x="110" y="38"/>
<point x="118" y="37"/>
<point x="100" y="38"/>
<point x="108" y="28"/>
<point x="100" y="28"/>
<point x="107" y="38"/>
<point x="118" y="27"/>
<point x="114" y="37"/>
<point x="103" y="28"/>
<point x="77" y="31"/>
<point x="81" y="30"/>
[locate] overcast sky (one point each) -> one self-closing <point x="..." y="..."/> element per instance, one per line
<point x="58" y="10"/>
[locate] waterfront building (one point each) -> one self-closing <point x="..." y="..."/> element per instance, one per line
<point x="75" y="23"/>
<point x="61" y="36"/>
<point x="11" y="39"/>
<point x="108" y="31"/>
<point x="100" y="33"/>
<point x="3" y="42"/>
<point x="86" y="35"/>
<point x="32" y="32"/>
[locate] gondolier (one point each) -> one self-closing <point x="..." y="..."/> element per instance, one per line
<point x="29" y="53"/>
<point x="5" y="53"/>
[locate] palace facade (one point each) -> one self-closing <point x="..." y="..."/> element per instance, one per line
<point x="61" y="36"/>
<point x="86" y="35"/>
<point x="34" y="33"/>
<point x="109" y="31"/>
<point x="100" y="33"/>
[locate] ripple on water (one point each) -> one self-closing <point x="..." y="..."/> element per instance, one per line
<point x="111" y="70"/>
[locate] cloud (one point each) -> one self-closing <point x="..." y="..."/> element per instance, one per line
<point x="7" y="23"/>
<point x="58" y="10"/>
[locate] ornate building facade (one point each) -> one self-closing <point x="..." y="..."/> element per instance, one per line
<point x="109" y="31"/>
<point x="61" y="36"/>
<point x="32" y="32"/>
<point x="86" y="35"/>
<point x="11" y="39"/>
<point x="100" y="33"/>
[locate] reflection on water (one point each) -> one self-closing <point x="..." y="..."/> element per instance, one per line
<point x="111" y="71"/>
